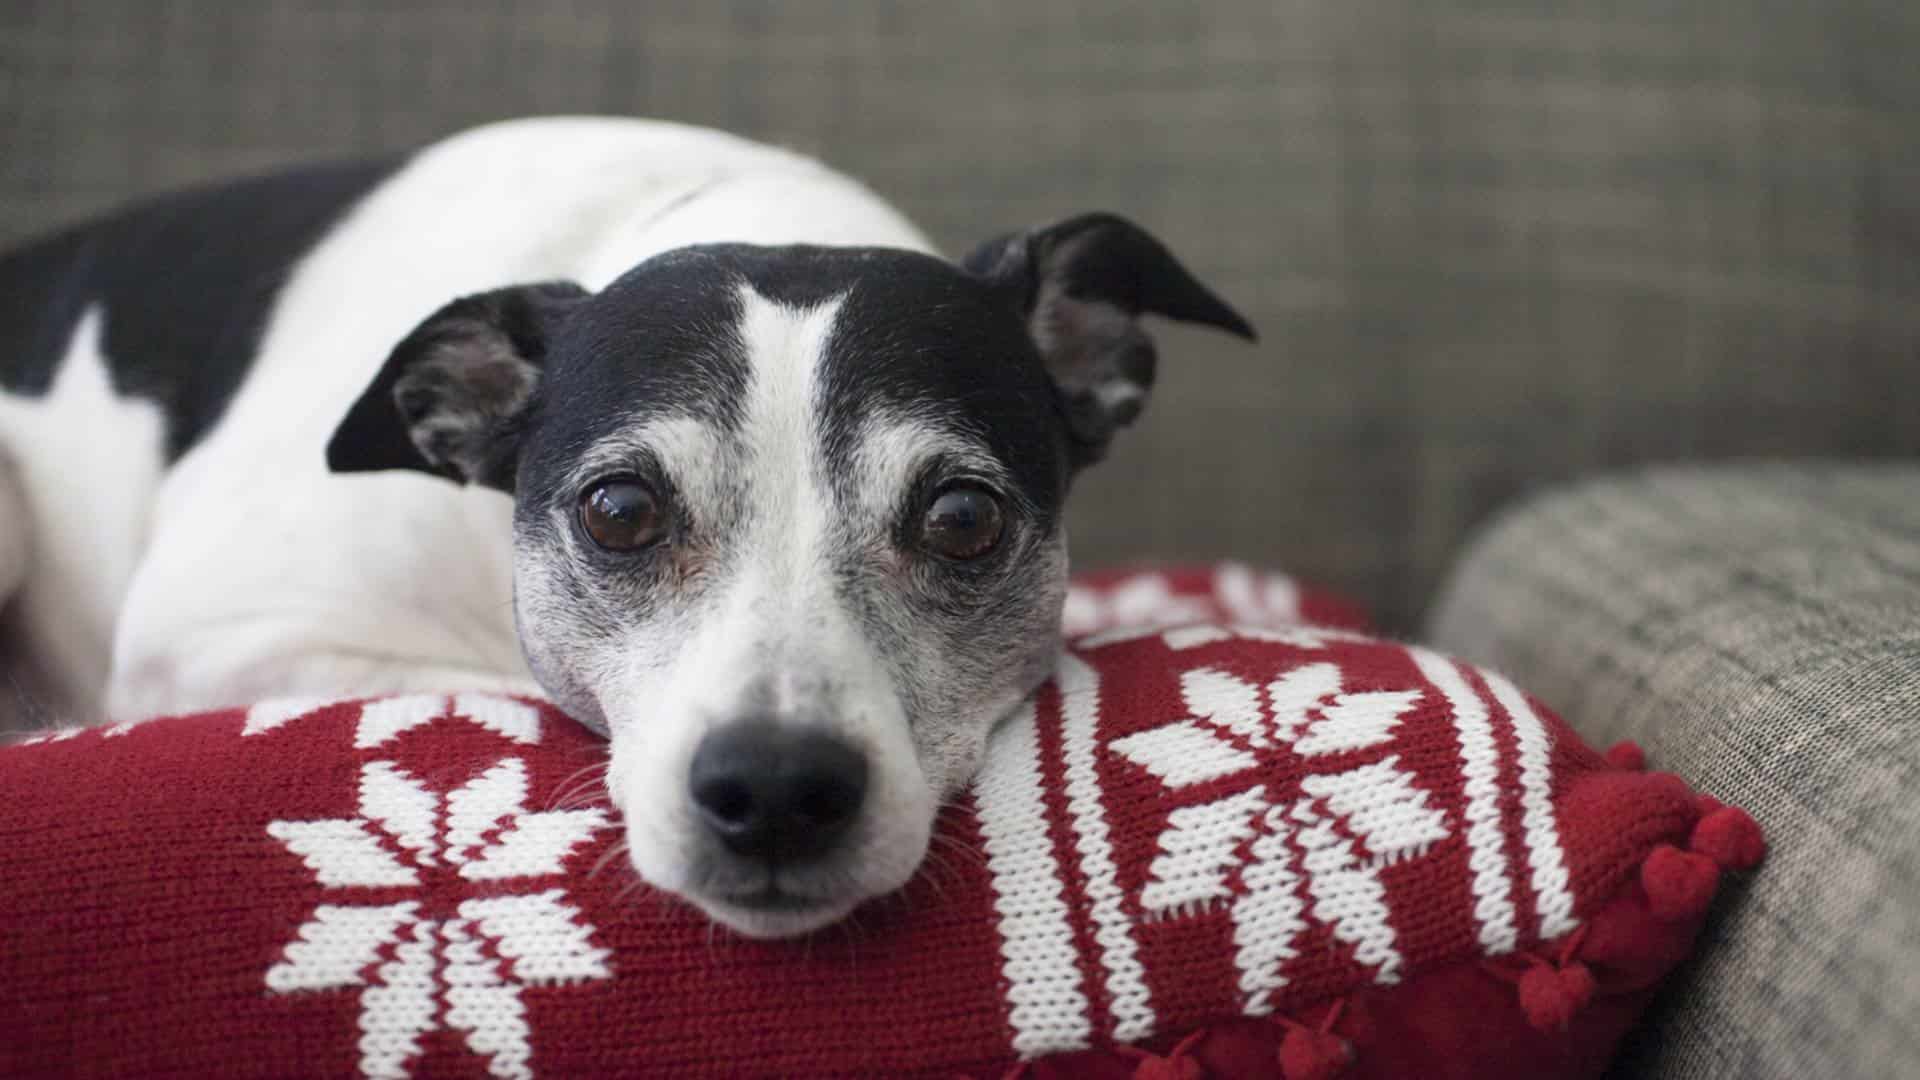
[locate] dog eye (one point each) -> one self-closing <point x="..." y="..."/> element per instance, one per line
<point x="622" y="514"/>
<point x="962" y="523"/>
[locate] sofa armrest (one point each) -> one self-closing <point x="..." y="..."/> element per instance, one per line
<point x="1756" y="629"/>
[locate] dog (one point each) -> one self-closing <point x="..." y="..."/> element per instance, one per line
<point x="691" y="435"/>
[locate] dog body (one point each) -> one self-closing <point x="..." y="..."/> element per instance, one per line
<point x="176" y="575"/>
<point x="785" y="487"/>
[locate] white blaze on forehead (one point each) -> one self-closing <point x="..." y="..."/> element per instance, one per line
<point x="774" y="456"/>
<point x="779" y="433"/>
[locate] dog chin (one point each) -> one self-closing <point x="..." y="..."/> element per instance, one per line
<point x="786" y="920"/>
<point x="784" y="907"/>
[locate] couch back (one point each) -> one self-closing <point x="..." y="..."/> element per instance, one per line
<point x="1490" y="243"/>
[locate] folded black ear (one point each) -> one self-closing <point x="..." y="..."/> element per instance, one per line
<point x="452" y="393"/>
<point x="1082" y="285"/>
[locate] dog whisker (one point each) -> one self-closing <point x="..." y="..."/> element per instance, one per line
<point x="585" y="798"/>
<point x="933" y="869"/>
<point x="949" y="845"/>
<point x="615" y="850"/>
<point x="853" y="932"/>
<point x="636" y="885"/>
<point x="581" y="781"/>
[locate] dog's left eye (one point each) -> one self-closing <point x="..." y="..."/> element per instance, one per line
<point x="622" y="514"/>
<point x="962" y="522"/>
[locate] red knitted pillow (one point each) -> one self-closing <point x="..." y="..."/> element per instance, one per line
<point x="1231" y="593"/>
<point x="1274" y="852"/>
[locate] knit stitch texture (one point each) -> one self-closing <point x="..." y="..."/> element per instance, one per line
<point x="1197" y="847"/>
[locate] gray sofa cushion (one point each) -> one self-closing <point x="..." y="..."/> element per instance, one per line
<point x="1756" y="629"/>
<point x="1489" y="245"/>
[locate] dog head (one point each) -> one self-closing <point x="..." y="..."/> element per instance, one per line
<point x="788" y="523"/>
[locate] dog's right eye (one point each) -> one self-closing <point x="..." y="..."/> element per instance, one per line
<point x="962" y="523"/>
<point x="622" y="514"/>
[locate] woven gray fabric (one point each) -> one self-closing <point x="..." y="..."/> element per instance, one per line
<point x="1489" y="244"/>
<point x="1757" y="630"/>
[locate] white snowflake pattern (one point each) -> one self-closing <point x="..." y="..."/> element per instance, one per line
<point x="418" y="969"/>
<point x="1146" y="603"/>
<point x="1337" y="832"/>
<point x="381" y="721"/>
<point x="1183" y="636"/>
<point x="1141" y="600"/>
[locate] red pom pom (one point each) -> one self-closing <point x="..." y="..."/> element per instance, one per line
<point x="1551" y="996"/>
<point x="1179" y="1063"/>
<point x="1356" y="1019"/>
<point x="1730" y="837"/>
<point x="1679" y="884"/>
<point x="1628" y="756"/>
<point x="1306" y="1054"/>
<point x="1178" y="1067"/>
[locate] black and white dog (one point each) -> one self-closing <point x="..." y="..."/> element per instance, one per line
<point x="785" y="489"/>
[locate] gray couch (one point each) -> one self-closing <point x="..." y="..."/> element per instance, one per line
<point x="1756" y="629"/>
<point x="1494" y="246"/>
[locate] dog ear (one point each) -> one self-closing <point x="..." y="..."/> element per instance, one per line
<point x="1081" y="285"/>
<point x="453" y="393"/>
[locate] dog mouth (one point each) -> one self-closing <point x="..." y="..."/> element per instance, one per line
<point x="772" y="898"/>
<point x="773" y="912"/>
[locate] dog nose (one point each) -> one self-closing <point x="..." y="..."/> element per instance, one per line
<point x="769" y="792"/>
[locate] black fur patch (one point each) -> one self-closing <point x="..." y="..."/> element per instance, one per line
<point x="185" y="282"/>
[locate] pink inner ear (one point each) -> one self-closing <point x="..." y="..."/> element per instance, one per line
<point x="1098" y="357"/>
<point x="1073" y="334"/>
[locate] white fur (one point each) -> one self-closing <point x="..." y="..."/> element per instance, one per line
<point x="774" y="642"/>
<point x="86" y="462"/>
<point x="16" y="539"/>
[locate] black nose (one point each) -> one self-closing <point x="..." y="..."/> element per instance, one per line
<point x="769" y="792"/>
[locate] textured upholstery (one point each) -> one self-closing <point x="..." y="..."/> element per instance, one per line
<point x="1757" y="630"/>
<point x="1489" y="243"/>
